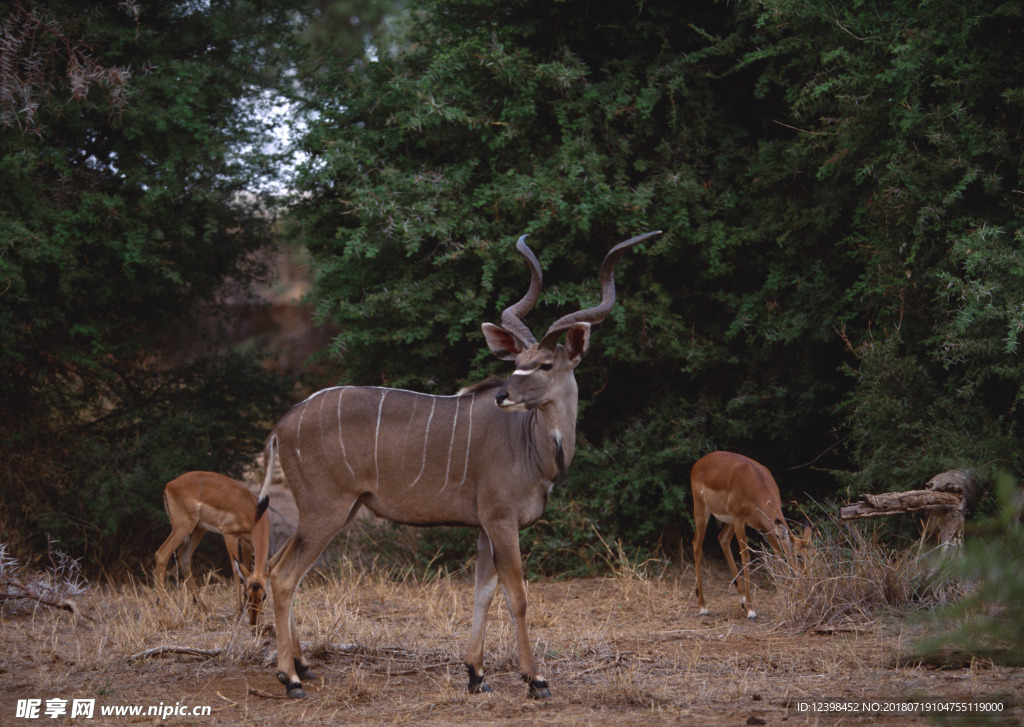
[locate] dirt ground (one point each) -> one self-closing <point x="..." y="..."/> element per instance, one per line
<point x="622" y="651"/>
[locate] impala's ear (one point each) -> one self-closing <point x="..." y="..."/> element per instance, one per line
<point x="239" y="564"/>
<point x="577" y="341"/>
<point x="240" y="570"/>
<point x="502" y="343"/>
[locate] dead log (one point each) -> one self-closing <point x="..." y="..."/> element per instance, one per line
<point x="946" y="498"/>
<point x="894" y="503"/>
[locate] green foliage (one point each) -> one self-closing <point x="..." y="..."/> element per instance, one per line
<point x="841" y="254"/>
<point x="491" y="121"/>
<point x="97" y="484"/>
<point x="838" y="282"/>
<point x="908" y="124"/>
<point x="122" y="215"/>
<point x="989" y="622"/>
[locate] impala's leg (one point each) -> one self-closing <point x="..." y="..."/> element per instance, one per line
<point x="253" y="591"/>
<point x="234" y="548"/>
<point x="782" y="546"/>
<point x="486" y="583"/>
<point x="185" y="557"/>
<point x="163" y="554"/>
<point x="725" y="540"/>
<point x="314" y="532"/>
<point x="700" y="519"/>
<point x="802" y="546"/>
<point x="508" y="561"/>
<point x="745" y="600"/>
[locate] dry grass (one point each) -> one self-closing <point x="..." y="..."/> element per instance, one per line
<point x="849" y="579"/>
<point x="388" y="650"/>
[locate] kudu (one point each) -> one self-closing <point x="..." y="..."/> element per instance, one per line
<point x="201" y="501"/>
<point x="486" y="457"/>
<point x="741" y="493"/>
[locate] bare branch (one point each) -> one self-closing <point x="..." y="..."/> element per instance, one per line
<point x="161" y="650"/>
<point x="53" y="587"/>
<point x="37" y="57"/>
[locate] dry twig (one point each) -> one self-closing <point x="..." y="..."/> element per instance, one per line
<point x="53" y="587"/>
<point x="161" y="650"/>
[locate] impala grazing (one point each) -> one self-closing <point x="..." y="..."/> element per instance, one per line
<point x="741" y="493"/>
<point x="486" y="457"/>
<point x="201" y="501"/>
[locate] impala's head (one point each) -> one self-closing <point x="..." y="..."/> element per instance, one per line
<point x="255" y="594"/>
<point x="803" y="547"/>
<point x="798" y="548"/>
<point x="254" y="591"/>
<point x="544" y="370"/>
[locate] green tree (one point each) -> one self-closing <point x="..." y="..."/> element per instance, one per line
<point x="580" y="125"/>
<point x="130" y="145"/>
<point x="988" y="622"/>
<point x="842" y="239"/>
<point x="904" y="119"/>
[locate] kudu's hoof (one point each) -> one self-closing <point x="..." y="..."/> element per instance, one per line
<point x="294" y="689"/>
<point x="477" y="685"/>
<point x="538" y="689"/>
<point x="304" y="672"/>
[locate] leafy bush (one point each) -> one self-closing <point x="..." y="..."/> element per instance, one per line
<point x="989" y="622"/>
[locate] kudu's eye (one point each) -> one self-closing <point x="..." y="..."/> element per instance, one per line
<point x="546" y="367"/>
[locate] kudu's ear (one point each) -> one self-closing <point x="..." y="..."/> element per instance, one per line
<point x="577" y="341"/>
<point x="502" y="343"/>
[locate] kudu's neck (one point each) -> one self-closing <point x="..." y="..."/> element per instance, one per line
<point x="553" y="430"/>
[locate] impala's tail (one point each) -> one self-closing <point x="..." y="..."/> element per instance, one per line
<point x="269" y="455"/>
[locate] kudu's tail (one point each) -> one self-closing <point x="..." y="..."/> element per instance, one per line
<point x="269" y="456"/>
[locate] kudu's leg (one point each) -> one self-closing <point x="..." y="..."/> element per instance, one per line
<point x="284" y="581"/>
<point x="508" y="562"/>
<point x="313" y="534"/>
<point x="486" y="583"/>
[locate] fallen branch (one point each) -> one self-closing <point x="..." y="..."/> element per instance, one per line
<point x="161" y="650"/>
<point x="266" y="695"/>
<point x="53" y="587"/>
<point x="893" y="503"/>
<point x="946" y="498"/>
<point x="24" y="591"/>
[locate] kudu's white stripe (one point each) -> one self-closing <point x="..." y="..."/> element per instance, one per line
<point x="298" y="431"/>
<point x="407" y="391"/>
<point x="320" y="422"/>
<point x="406" y="449"/>
<point x="302" y="413"/>
<point x="341" y="440"/>
<point x="376" y="440"/>
<point x="426" y="436"/>
<point x="451" y="445"/>
<point x="469" y="440"/>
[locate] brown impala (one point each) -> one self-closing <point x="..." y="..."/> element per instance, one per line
<point x="741" y="493"/>
<point x="201" y="501"/>
<point x="486" y="457"/>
